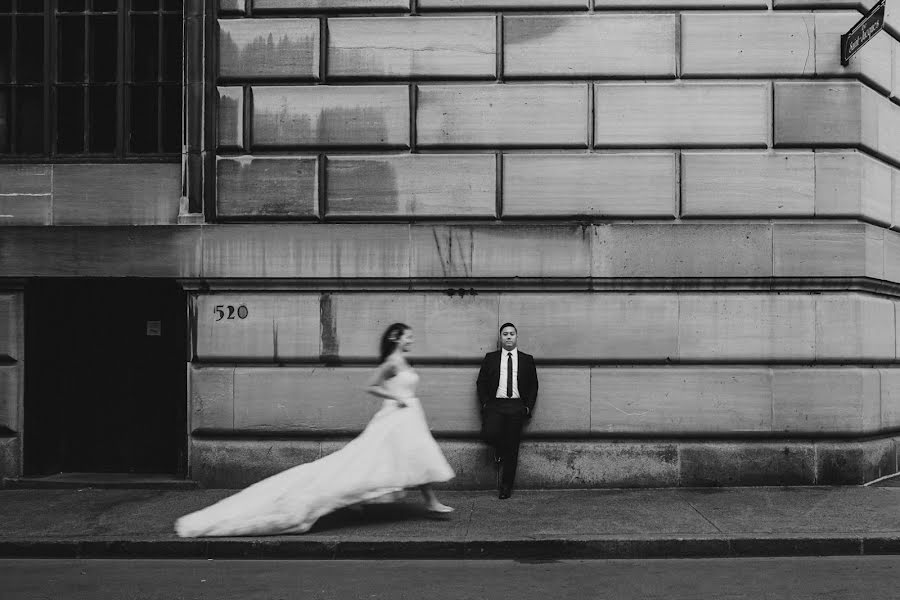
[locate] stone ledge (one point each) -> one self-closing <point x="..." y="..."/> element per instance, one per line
<point x="235" y="463"/>
<point x="508" y="255"/>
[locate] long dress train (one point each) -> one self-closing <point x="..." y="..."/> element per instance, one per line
<point x="395" y="451"/>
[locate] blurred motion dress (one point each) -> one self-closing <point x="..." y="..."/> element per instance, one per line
<point x="394" y="452"/>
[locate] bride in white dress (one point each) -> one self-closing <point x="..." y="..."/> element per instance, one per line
<point x="395" y="451"/>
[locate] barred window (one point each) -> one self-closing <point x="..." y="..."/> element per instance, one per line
<point x="98" y="78"/>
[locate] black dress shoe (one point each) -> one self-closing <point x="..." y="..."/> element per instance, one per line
<point x="505" y="492"/>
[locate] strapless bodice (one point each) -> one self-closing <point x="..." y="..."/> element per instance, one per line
<point x="403" y="384"/>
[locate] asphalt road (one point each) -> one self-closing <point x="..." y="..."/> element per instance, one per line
<point x="839" y="578"/>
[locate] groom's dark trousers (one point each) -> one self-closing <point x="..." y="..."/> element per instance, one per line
<point x="502" y="418"/>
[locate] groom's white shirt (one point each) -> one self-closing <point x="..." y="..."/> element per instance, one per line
<point x="501" y="386"/>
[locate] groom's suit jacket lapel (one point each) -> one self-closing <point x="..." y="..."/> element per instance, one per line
<point x="526" y="362"/>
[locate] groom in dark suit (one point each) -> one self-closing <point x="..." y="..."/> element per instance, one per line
<point x="507" y="390"/>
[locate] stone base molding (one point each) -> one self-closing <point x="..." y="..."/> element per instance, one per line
<point x="238" y="462"/>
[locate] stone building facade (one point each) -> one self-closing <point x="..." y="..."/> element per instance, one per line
<point x="688" y="207"/>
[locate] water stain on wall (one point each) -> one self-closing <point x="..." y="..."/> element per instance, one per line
<point x="281" y="49"/>
<point x="293" y="122"/>
<point x="330" y="349"/>
<point x="267" y="187"/>
<point x="231" y="118"/>
<point x="522" y="30"/>
<point x="455" y="247"/>
<point x="351" y="126"/>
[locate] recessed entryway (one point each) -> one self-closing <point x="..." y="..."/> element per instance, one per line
<point x="105" y="377"/>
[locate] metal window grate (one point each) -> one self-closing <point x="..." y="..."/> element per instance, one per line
<point x="90" y="78"/>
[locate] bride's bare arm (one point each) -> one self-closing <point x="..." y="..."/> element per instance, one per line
<point x="375" y="385"/>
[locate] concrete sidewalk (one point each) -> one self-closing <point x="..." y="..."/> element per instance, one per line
<point x="540" y="525"/>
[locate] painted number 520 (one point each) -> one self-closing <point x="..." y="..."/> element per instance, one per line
<point x="227" y="311"/>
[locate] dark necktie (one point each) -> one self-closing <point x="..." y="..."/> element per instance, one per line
<point x="509" y="374"/>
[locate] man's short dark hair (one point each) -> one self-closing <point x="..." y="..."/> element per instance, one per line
<point x="505" y="325"/>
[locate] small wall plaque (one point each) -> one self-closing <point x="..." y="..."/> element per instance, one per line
<point x="864" y="30"/>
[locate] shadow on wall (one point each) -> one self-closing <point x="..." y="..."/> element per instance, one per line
<point x="263" y="55"/>
<point x="524" y="30"/>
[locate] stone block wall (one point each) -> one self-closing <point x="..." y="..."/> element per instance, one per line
<point x="690" y="375"/>
<point x="687" y="207"/>
<point x="89" y="194"/>
<point x="569" y="94"/>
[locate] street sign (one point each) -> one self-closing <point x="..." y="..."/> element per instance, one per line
<point x="862" y="32"/>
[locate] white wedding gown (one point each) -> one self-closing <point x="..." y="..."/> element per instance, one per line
<point x="395" y="451"/>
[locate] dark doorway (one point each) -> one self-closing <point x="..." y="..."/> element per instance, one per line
<point x="105" y="376"/>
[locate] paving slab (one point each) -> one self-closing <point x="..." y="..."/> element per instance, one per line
<point x="592" y="512"/>
<point x="540" y="525"/>
<point x="799" y="510"/>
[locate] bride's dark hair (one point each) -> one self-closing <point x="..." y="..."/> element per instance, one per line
<point x="390" y="338"/>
